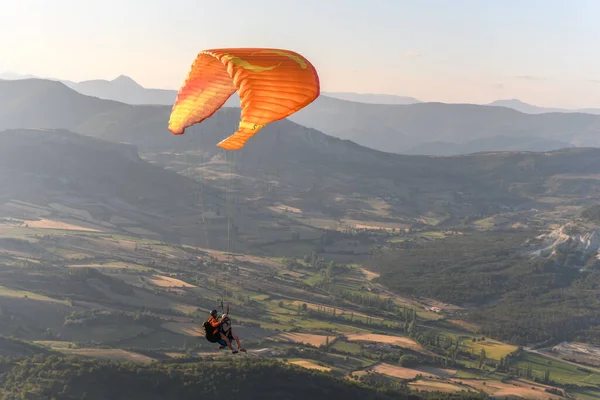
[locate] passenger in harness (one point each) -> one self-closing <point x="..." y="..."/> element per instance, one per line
<point x="219" y="331"/>
<point x="227" y="335"/>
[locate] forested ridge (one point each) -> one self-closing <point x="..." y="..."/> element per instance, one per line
<point x="63" y="378"/>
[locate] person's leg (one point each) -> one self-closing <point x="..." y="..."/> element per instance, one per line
<point x="226" y="340"/>
<point x="237" y="341"/>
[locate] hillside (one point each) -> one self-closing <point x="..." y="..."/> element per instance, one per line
<point x="38" y="103"/>
<point x="100" y="186"/>
<point x="496" y="143"/>
<point x="401" y="128"/>
<point x="507" y="293"/>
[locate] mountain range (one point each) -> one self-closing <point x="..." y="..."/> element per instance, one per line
<point x="127" y="90"/>
<point x="334" y="178"/>
<point x="402" y="124"/>
<point x="120" y="89"/>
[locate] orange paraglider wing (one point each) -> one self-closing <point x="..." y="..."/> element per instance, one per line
<point x="272" y="84"/>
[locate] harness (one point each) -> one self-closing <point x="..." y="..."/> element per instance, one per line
<point x="226" y="326"/>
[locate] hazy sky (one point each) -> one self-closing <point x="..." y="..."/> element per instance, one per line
<point x="541" y="51"/>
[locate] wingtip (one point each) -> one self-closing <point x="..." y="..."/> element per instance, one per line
<point x="176" y="131"/>
<point x="225" y="144"/>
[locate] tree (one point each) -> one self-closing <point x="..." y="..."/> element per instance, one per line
<point x="409" y="361"/>
<point x="482" y="358"/>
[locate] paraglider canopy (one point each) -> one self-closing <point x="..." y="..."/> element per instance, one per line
<point x="272" y="84"/>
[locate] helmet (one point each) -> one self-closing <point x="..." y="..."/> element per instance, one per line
<point x="214" y="313"/>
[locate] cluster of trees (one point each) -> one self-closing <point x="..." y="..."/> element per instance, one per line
<point x="310" y="261"/>
<point x="409" y="326"/>
<point x="374" y="302"/>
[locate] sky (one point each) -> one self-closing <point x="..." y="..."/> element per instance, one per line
<point x="543" y="52"/>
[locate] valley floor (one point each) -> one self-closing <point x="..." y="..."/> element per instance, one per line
<point x="125" y="298"/>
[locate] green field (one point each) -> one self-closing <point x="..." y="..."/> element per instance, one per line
<point x="587" y="394"/>
<point x="347" y="347"/>
<point x="560" y="371"/>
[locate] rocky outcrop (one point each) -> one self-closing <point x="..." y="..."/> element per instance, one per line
<point x="577" y="235"/>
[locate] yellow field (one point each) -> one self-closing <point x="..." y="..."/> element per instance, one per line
<point x="113" y="265"/>
<point x="55" y="344"/>
<point x="284" y="208"/>
<point x="395" y="340"/>
<point x="439" y="372"/>
<point x="310" y="365"/>
<point x="374" y="225"/>
<point x="113" y="354"/>
<point x="306" y="338"/>
<point x="369" y="274"/>
<point x="165" y="281"/>
<point x="524" y="389"/>
<point x="184" y="308"/>
<point x="437" y="379"/>
<point x="493" y="349"/>
<point x="51" y="224"/>
<point x="397" y="371"/>
<point x="294" y="274"/>
<point x="435" y="385"/>
<point x="184" y="328"/>
<point x="464" y="324"/>
<point x="175" y="355"/>
<point x="6" y="292"/>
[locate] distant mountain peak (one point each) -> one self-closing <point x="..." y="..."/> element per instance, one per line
<point x="126" y="80"/>
<point x="509" y="101"/>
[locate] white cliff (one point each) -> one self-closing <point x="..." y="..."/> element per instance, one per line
<point x="577" y="235"/>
